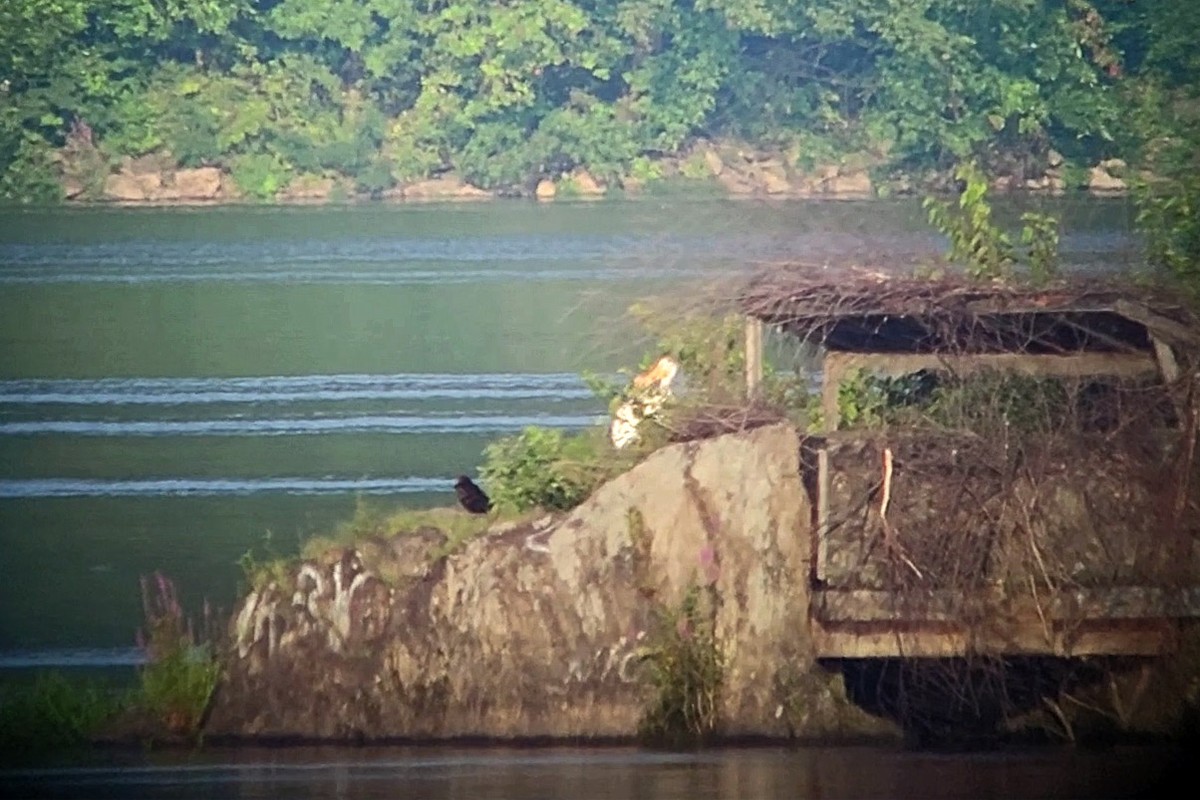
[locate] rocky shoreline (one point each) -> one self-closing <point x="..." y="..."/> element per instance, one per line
<point x="721" y="168"/>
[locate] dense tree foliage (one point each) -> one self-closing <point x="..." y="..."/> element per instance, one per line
<point x="387" y="91"/>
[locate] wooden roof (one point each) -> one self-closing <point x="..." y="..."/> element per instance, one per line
<point x="869" y="311"/>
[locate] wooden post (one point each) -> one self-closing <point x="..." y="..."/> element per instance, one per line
<point x="833" y="369"/>
<point x="754" y="357"/>
<point x="1167" y="364"/>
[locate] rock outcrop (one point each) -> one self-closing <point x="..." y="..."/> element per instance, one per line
<point x="538" y="630"/>
<point x="749" y="173"/>
<point x="200" y="183"/>
<point x="445" y="187"/>
<point x="1101" y="179"/>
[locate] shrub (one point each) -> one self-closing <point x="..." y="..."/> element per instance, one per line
<point x="263" y="564"/>
<point x="27" y="171"/>
<point x="685" y="670"/>
<point x="547" y="468"/>
<point x="983" y="248"/>
<point x="498" y="156"/>
<point x="260" y="175"/>
<point x="986" y="402"/>
<point x="54" y="711"/>
<point x="181" y="670"/>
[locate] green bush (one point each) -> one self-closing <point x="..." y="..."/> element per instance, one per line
<point x="374" y="177"/>
<point x="27" y="172"/>
<point x="54" y="711"/>
<point x="545" y="468"/>
<point x="134" y="128"/>
<point x="592" y="138"/>
<point x="497" y="156"/>
<point x="417" y="140"/>
<point x="981" y="247"/>
<point x="260" y="175"/>
<point x="188" y="108"/>
<point x="986" y="402"/>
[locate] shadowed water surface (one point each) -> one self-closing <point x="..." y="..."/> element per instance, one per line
<point x="570" y="774"/>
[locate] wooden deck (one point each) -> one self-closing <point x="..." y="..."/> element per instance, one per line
<point x="1114" y="621"/>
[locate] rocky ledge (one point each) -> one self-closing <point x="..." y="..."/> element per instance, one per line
<point x="538" y="630"/>
<point x="728" y="168"/>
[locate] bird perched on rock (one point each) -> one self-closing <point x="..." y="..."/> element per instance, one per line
<point x="471" y="497"/>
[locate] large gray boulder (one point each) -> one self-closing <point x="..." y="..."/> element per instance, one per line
<point x="538" y="630"/>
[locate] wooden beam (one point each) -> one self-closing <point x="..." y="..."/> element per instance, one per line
<point x="1086" y="364"/>
<point x="823" y="491"/>
<point x="945" y="605"/>
<point x="754" y="358"/>
<point x="832" y="373"/>
<point x="834" y="367"/>
<point x="1167" y="364"/>
<point x="1146" y="639"/>
<point x="1156" y="324"/>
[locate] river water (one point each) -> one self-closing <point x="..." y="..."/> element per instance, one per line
<point x="437" y="773"/>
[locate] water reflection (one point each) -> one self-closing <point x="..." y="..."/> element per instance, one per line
<point x="436" y="773"/>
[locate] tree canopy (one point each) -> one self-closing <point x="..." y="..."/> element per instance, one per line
<point x="386" y="91"/>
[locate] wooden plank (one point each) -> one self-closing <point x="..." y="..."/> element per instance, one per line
<point x="1147" y="638"/>
<point x="833" y="372"/>
<point x="1122" y="365"/>
<point x="1110" y="603"/>
<point x="1167" y="364"/>
<point x="823" y="489"/>
<point x="1156" y="324"/>
<point x="754" y="358"/>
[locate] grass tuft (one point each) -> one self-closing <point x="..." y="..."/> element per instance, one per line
<point x="181" y="670"/>
<point x="54" y="711"/>
<point x="685" y="669"/>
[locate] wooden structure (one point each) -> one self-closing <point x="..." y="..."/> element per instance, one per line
<point x="935" y="543"/>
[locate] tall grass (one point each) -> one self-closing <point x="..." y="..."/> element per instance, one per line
<point x="54" y="711"/>
<point x="685" y="669"/>
<point x="181" y="669"/>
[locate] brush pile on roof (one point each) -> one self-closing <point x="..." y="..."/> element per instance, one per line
<point x="871" y="311"/>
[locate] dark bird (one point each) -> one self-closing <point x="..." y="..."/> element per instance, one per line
<point x="471" y="497"/>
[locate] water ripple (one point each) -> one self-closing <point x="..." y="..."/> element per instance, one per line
<point x="72" y="657"/>
<point x="299" y="426"/>
<point x="218" y="487"/>
<point x="288" y="388"/>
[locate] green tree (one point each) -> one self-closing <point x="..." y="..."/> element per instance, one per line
<point x="391" y="90"/>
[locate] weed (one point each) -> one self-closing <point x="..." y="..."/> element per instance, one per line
<point x="872" y="401"/>
<point x="376" y="538"/>
<point x="982" y="247"/>
<point x="975" y="241"/>
<point x="987" y="402"/>
<point x="695" y="168"/>
<point x="181" y="669"/>
<point x="263" y="566"/>
<point x="54" y="711"/>
<point x="1040" y="235"/>
<point x="685" y="669"/>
